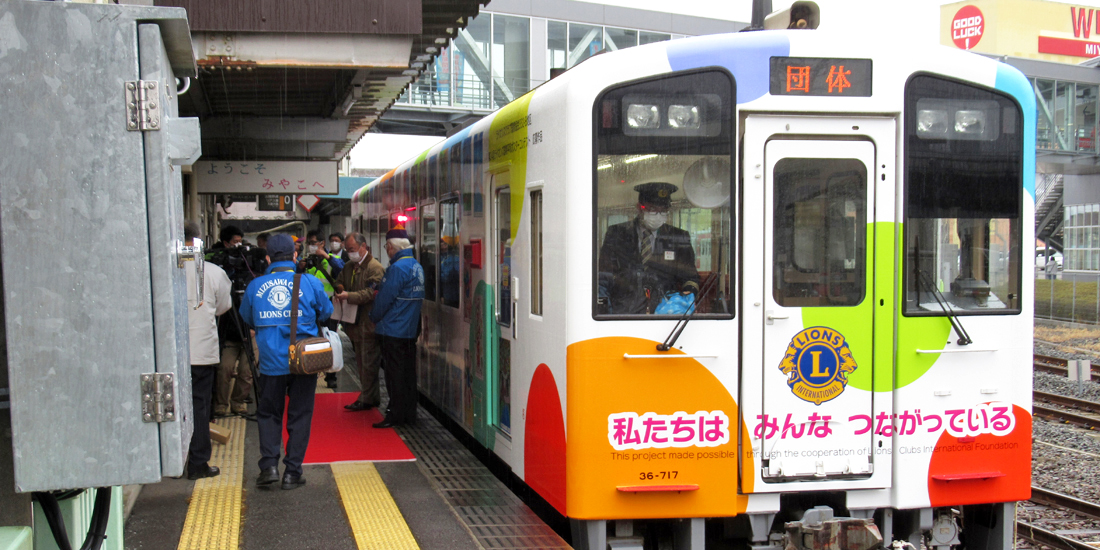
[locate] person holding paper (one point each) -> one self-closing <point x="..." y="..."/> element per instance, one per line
<point x="355" y="288"/>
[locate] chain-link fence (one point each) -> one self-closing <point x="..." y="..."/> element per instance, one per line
<point x="1072" y="296"/>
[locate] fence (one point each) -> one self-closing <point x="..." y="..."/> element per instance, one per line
<point x="1073" y="297"/>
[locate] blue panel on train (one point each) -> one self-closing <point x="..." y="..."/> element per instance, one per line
<point x="746" y="55"/>
<point x="1012" y="81"/>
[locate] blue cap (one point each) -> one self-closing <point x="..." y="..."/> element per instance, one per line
<point x="280" y="243"/>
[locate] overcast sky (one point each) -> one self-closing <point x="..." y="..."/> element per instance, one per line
<point x="915" y="20"/>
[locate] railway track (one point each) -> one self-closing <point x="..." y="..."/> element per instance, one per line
<point x="1089" y="422"/>
<point x="1058" y="366"/>
<point x="1086" y="420"/>
<point x="1038" y="535"/>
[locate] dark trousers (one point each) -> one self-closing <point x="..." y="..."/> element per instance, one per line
<point x="299" y="413"/>
<point x="331" y="324"/>
<point x="202" y="391"/>
<point x="399" y="364"/>
<point x="368" y="352"/>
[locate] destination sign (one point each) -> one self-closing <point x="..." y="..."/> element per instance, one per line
<point x="820" y="76"/>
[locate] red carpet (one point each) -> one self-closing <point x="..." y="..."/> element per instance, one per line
<point x="338" y="435"/>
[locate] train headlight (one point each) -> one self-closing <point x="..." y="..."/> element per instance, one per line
<point x="683" y="116"/>
<point x="643" y="116"/>
<point x="931" y="123"/>
<point x="970" y="122"/>
<point x="958" y="119"/>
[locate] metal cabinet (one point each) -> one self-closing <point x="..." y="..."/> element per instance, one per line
<point x="94" y="304"/>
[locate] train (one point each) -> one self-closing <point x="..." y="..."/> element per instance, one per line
<point x="759" y="290"/>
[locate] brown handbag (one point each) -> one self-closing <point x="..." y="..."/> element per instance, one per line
<point x="309" y="355"/>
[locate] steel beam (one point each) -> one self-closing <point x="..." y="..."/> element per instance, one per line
<point x="320" y="51"/>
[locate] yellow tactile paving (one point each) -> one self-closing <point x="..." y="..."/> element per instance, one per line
<point x="214" y="516"/>
<point x="375" y="520"/>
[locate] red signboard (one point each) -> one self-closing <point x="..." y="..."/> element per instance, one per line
<point x="967" y="27"/>
<point x="1068" y="46"/>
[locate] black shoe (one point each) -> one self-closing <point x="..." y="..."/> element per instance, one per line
<point x="357" y="406"/>
<point x="268" y="476"/>
<point x="386" y="424"/>
<point x="291" y="481"/>
<point x="199" y="473"/>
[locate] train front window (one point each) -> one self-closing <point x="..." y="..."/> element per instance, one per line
<point x="963" y="193"/>
<point x="662" y="198"/>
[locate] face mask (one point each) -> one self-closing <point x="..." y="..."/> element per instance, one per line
<point x="354" y="256"/>
<point x="312" y="249"/>
<point x="334" y="246"/>
<point x="654" y="220"/>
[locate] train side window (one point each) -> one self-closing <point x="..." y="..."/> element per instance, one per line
<point x="963" y="199"/>
<point x="536" y="252"/>
<point x="449" y="214"/>
<point x="819" y="244"/>
<point x="428" y="245"/>
<point x="663" y="226"/>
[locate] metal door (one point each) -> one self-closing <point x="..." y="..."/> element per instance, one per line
<point x="502" y="241"/>
<point x="810" y="302"/>
<point x="89" y="213"/>
<point x="175" y="144"/>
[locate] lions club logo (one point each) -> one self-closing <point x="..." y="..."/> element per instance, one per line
<point x="279" y="296"/>
<point x="817" y="364"/>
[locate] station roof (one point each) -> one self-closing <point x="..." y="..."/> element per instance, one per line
<point x="301" y="80"/>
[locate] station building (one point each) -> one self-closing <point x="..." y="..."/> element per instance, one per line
<point x="1057" y="46"/>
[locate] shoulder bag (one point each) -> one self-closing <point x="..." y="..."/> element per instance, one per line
<point x="309" y="355"/>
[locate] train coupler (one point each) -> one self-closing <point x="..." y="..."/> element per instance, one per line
<point x="819" y="530"/>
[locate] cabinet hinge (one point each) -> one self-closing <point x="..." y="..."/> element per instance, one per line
<point x="158" y="397"/>
<point x="142" y="105"/>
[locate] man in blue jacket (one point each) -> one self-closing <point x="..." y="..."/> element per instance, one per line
<point x="266" y="308"/>
<point x="396" y="314"/>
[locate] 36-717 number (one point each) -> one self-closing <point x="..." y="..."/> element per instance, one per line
<point x="658" y="475"/>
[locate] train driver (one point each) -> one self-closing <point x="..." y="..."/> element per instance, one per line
<point x="645" y="259"/>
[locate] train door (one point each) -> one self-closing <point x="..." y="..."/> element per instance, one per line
<point x="501" y="245"/>
<point x="814" y="332"/>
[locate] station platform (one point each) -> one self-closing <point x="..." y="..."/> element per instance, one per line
<point x="442" y="498"/>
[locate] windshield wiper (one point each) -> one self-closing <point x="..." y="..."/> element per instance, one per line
<point x="686" y="316"/>
<point x="964" y="338"/>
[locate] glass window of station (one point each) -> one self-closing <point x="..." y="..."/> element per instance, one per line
<point x="1082" y="232"/>
<point x="488" y="64"/>
<point x="1066" y="115"/>
<point x="663" y="221"/>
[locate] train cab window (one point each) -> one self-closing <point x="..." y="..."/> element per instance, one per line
<point x="662" y="196"/>
<point x="448" y="252"/>
<point x="963" y="199"/>
<point x="820" y="241"/>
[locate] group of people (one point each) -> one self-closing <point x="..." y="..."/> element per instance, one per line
<point x="383" y="333"/>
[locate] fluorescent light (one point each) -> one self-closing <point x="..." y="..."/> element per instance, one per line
<point x="638" y="158"/>
<point x="603" y="166"/>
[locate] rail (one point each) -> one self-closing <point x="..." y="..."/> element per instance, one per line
<point x="1044" y="537"/>
<point x="1076" y="505"/>
<point x="1055" y="365"/>
<point x="1065" y="401"/>
<point x="1089" y="422"/>
<point x="1039" y="535"/>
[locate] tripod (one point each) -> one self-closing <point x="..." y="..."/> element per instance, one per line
<point x="246" y="343"/>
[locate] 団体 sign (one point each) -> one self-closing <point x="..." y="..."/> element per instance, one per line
<point x="967" y="27"/>
<point x="820" y="76"/>
<point x="266" y="177"/>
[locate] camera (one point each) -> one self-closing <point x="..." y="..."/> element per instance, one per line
<point x="241" y="264"/>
